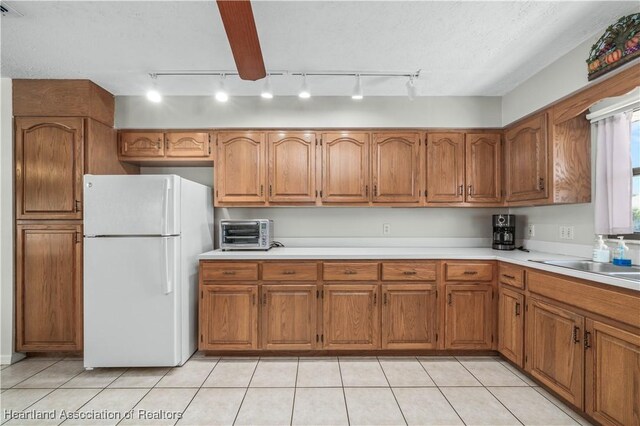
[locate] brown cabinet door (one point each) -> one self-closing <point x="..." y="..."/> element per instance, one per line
<point x="526" y="160"/>
<point x="396" y="167"/>
<point x="612" y="374"/>
<point x="49" y="287"/>
<point x="445" y="167"/>
<point x="468" y="318"/>
<point x="141" y="144"/>
<point x="292" y="167"/>
<point x="511" y="325"/>
<point x="49" y="167"/>
<point x="241" y="167"/>
<point x="483" y="165"/>
<point x="190" y="144"/>
<point x="229" y="317"/>
<point x="555" y="349"/>
<point x="409" y="319"/>
<point x="351" y="316"/>
<point x="289" y="316"/>
<point x="345" y="167"/>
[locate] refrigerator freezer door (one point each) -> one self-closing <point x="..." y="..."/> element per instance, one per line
<point x="132" y="302"/>
<point x="132" y="205"/>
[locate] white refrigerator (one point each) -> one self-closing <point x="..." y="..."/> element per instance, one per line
<point x="142" y="238"/>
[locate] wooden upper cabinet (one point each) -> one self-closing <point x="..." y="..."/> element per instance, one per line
<point x="409" y="316"/>
<point x="483" y="165"/>
<point x="191" y="144"/>
<point x="49" y="165"/>
<point x="351" y="316"/>
<point x="345" y="167"/>
<point x="396" y="167"/>
<point x="229" y="317"/>
<point x="555" y="349"/>
<point x="612" y="374"/>
<point x="49" y="287"/>
<point x="141" y="144"/>
<point x="526" y="152"/>
<point x="241" y="173"/>
<point x="289" y="316"/>
<point x="511" y="325"/>
<point x="292" y="167"/>
<point x="445" y="167"/>
<point x="468" y="318"/>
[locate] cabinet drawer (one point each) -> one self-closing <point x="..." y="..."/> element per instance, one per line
<point x="350" y="271"/>
<point x="287" y="271"/>
<point x="511" y="275"/>
<point x="469" y="271"/>
<point x="408" y="271"/>
<point x="228" y="271"/>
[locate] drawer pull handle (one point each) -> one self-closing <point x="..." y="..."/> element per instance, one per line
<point x="517" y="308"/>
<point x="384" y="298"/>
<point x="288" y="272"/>
<point x="375" y="299"/>
<point x="511" y="277"/>
<point x="229" y="272"/>
<point x="350" y="272"/>
<point x="449" y="301"/>
<point x="409" y="272"/>
<point x="587" y="340"/>
<point x="576" y="339"/>
<point x="470" y="272"/>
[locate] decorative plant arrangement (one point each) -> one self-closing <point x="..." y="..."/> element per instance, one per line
<point x="619" y="44"/>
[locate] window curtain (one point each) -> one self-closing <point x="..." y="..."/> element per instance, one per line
<point x="613" y="175"/>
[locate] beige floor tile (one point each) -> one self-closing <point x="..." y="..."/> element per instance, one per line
<point x="263" y="406"/>
<point x="476" y="406"/>
<point x="231" y="373"/>
<point x="448" y="372"/>
<point x="492" y="373"/>
<point x="405" y="372"/>
<point x="191" y="375"/>
<point x="426" y="406"/>
<point x="96" y="378"/>
<point x="372" y="406"/>
<point x="530" y="407"/>
<point x="116" y="402"/>
<point x="272" y="373"/>
<point x="54" y="376"/>
<point x="63" y="401"/>
<point x="16" y="373"/>
<point x="140" y="377"/>
<point x="213" y="407"/>
<point x="362" y="372"/>
<point x="564" y="407"/>
<point x="518" y="373"/>
<point x="320" y="406"/>
<point x="319" y="373"/>
<point x="19" y="399"/>
<point x="161" y="407"/>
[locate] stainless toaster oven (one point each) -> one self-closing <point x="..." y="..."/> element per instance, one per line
<point x="253" y="234"/>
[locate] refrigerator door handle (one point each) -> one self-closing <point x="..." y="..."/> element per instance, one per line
<point x="167" y="284"/>
<point x="165" y="206"/>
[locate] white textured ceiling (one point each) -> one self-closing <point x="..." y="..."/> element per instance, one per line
<point x="463" y="48"/>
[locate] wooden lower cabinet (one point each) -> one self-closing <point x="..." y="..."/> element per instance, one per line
<point x="468" y="316"/>
<point x="351" y="316"/>
<point x="409" y="319"/>
<point x="229" y="316"/>
<point x="555" y="351"/>
<point x="49" y="287"/>
<point x="289" y="316"/>
<point x="511" y="325"/>
<point x="612" y="374"/>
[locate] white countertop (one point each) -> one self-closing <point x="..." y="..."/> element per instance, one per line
<point x="456" y="253"/>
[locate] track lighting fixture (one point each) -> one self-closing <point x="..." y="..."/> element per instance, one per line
<point x="267" y="90"/>
<point x="221" y="94"/>
<point x="153" y="95"/>
<point x="357" y="90"/>
<point x="412" y="90"/>
<point x="304" y="90"/>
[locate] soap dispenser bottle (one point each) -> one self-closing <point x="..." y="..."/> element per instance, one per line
<point x="601" y="251"/>
<point x="619" y="253"/>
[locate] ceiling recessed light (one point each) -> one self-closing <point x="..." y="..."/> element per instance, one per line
<point x="267" y="90"/>
<point x="304" y="90"/>
<point x="357" y="90"/>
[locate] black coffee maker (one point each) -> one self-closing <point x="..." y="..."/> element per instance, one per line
<point x="504" y="232"/>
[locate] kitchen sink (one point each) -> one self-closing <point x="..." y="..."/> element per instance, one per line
<point x="626" y="272"/>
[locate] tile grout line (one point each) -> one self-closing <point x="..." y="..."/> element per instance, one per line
<point x="141" y="398"/>
<point x="344" y="394"/>
<point x="235" y="419"/>
<point x="572" y="414"/>
<point x="392" y="392"/>
<point x="441" y="393"/>
<point x="199" y="388"/>
<point x="295" y="389"/>
<point x="37" y="372"/>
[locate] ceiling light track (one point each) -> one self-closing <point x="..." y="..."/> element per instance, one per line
<point x="414" y="74"/>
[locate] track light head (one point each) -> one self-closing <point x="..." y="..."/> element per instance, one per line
<point x="153" y="95"/>
<point x="412" y="90"/>
<point x="304" y="90"/>
<point x="221" y="93"/>
<point x="357" y="90"/>
<point x="267" y="90"/>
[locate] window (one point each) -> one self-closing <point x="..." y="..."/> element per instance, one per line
<point x="635" y="163"/>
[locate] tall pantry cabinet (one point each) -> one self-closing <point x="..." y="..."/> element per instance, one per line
<point x="63" y="129"/>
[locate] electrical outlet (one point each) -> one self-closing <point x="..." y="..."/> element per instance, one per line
<point x="386" y="229"/>
<point x="531" y="231"/>
<point x="561" y="232"/>
<point x="570" y="232"/>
